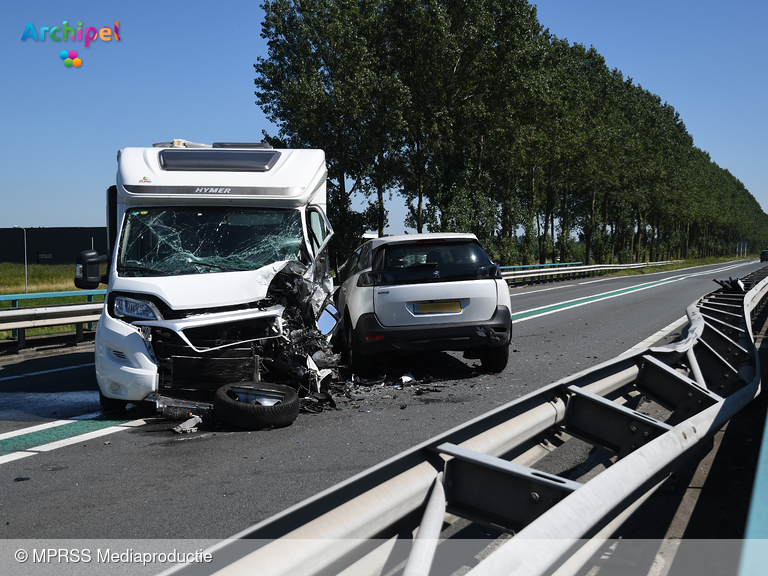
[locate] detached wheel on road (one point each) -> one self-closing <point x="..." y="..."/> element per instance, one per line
<point x="495" y="359"/>
<point x="256" y="405"/>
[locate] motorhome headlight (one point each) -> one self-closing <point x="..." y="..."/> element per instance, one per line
<point x="129" y="308"/>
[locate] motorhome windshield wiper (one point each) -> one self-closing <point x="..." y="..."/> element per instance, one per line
<point x="129" y="268"/>
<point x="228" y="268"/>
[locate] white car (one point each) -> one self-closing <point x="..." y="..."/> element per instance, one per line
<point x="424" y="292"/>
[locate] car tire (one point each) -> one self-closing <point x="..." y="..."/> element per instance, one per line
<point x="238" y="405"/>
<point x="494" y="359"/>
<point x="111" y="404"/>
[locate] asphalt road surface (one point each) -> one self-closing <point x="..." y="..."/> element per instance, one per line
<point x="125" y="476"/>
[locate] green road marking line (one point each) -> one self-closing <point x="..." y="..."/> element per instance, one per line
<point x="586" y="300"/>
<point x="33" y="439"/>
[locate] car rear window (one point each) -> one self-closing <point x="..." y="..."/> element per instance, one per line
<point x="442" y="255"/>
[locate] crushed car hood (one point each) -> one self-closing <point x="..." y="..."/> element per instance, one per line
<point x="203" y="290"/>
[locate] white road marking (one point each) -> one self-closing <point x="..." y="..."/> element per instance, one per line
<point x="15" y="456"/>
<point x="46" y="372"/>
<point x="651" y="340"/>
<point x="77" y="439"/>
<point x="36" y="428"/>
<point x="577" y="302"/>
<point x="542" y="290"/>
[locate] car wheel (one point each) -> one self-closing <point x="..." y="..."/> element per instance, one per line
<point x="110" y="404"/>
<point x="494" y="359"/>
<point x="256" y="405"/>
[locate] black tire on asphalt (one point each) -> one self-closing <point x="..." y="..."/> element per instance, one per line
<point x="228" y="407"/>
<point x="358" y="363"/>
<point x="494" y="359"/>
<point x="111" y="404"/>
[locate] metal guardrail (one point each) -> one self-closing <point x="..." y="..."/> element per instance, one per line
<point x="484" y="470"/>
<point x="19" y="319"/>
<point x="539" y="266"/>
<point x="754" y="553"/>
<point x="572" y="271"/>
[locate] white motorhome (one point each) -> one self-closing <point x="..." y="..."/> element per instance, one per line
<point x="217" y="271"/>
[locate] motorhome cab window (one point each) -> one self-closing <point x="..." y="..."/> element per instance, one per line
<point x="174" y="241"/>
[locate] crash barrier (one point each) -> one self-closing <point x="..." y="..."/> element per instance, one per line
<point x="569" y="272"/>
<point x="20" y="319"/>
<point x="484" y="472"/>
<point x="754" y="553"/>
<point x="538" y="266"/>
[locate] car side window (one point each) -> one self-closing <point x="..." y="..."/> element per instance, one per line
<point x="364" y="261"/>
<point x="351" y="266"/>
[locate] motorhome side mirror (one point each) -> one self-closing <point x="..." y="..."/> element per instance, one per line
<point x="328" y="320"/>
<point x="87" y="276"/>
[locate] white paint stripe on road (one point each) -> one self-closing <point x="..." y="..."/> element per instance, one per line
<point x="542" y="290"/>
<point x="651" y="340"/>
<point x="68" y="441"/>
<point x="715" y="271"/>
<point x="600" y="280"/>
<point x="563" y="306"/>
<point x="36" y="428"/>
<point x="78" y="439"/>
<point x="46" y="372"/>
<point x="15" y="456"/>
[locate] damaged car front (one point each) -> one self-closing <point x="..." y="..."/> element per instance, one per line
<point x="202" y="296"/>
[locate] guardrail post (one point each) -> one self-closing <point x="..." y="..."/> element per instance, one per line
<point x="90" y="324"/>
<point x="22" y="336"/>
<point x="14" y="304"/>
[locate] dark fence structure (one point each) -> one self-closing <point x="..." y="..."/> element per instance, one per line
<point x="50" y="245"/>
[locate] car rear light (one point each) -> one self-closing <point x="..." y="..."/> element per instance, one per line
<point x="374" y="338"/>
<point x="490" y="271"/>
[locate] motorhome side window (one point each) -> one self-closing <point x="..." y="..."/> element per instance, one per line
<point x="317" y="230"/>
<point x="159" y="241"/>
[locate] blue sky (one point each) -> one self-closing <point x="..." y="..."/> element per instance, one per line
<point x="184" y="69"/>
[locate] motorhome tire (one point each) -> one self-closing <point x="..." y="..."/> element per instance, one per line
<point x="111" y="404"/>
<point x="256" y="405"/>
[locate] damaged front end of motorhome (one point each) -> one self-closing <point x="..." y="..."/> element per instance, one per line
<point x="217" y="273"/>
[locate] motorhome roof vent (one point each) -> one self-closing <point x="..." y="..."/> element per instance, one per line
<point x="218" y="160"/>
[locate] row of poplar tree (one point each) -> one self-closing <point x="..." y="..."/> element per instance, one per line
<point x="485" y="122"/>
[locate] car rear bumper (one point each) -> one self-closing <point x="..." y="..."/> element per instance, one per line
<point x="455" y="336"/>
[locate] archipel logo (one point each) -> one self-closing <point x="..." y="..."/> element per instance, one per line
<point x="69" y="34"/>
<point x="70" y="58"/>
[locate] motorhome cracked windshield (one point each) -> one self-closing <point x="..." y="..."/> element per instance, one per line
<point x="217" y="272"/>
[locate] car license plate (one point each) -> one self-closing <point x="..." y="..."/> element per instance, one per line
<point x="436" y="307"/>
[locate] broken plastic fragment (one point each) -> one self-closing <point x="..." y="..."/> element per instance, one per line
<point x="188" y="426"/>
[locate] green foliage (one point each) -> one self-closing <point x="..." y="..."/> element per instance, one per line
<point x="485" y="122"/>
<point x="40" y="278"/>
